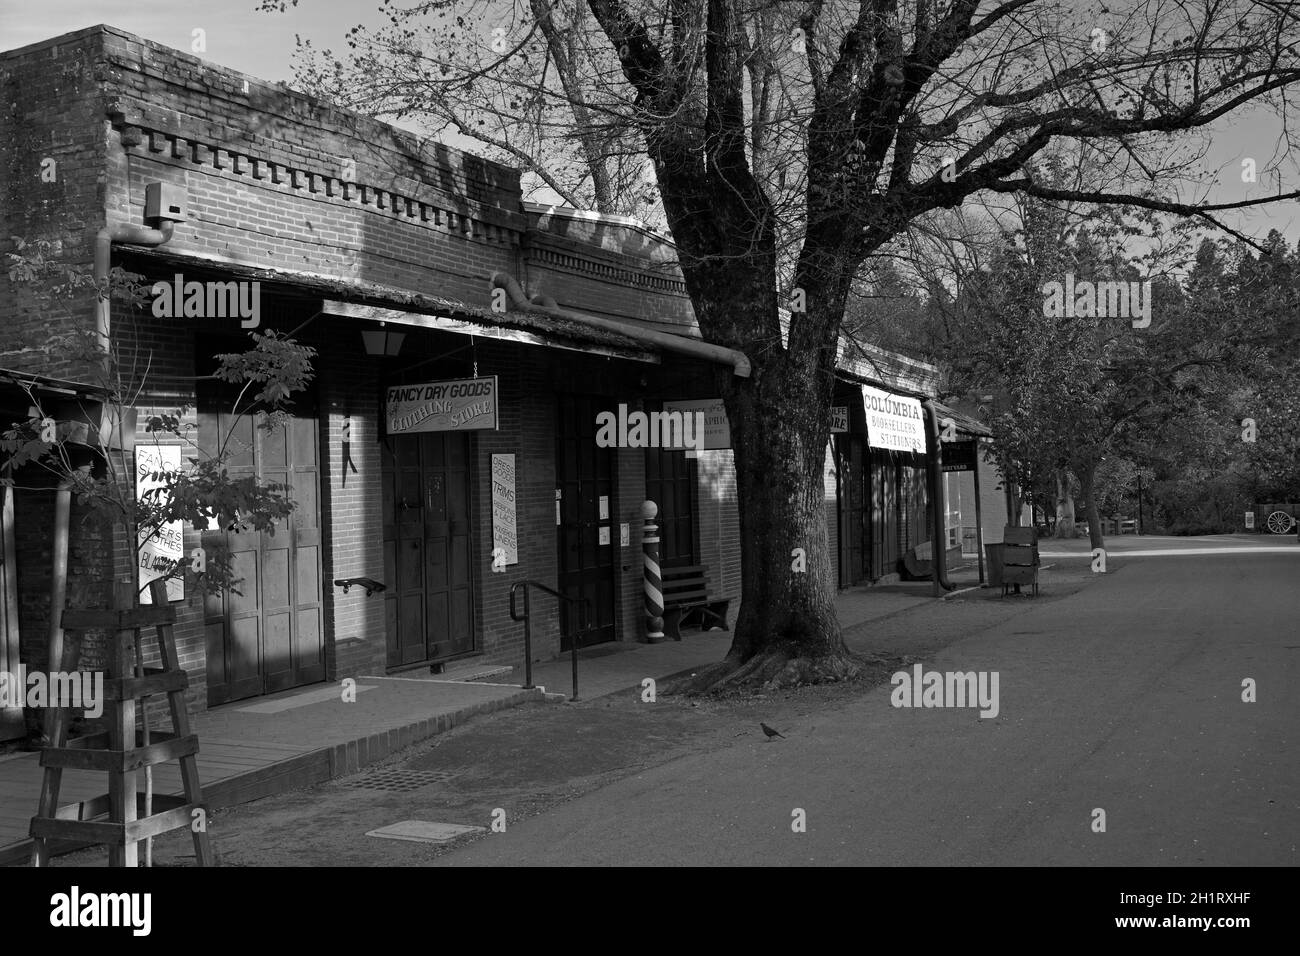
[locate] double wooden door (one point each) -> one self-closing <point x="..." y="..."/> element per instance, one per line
<point x="269" y="636"/>
<point x="585" y="527"/>
<point x="427" y="547"/>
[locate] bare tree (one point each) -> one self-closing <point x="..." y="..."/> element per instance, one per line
<point x="792" y="141"/>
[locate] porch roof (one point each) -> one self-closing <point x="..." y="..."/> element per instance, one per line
<point x="369" y="301"/>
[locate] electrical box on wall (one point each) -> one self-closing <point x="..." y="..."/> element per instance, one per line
<point x="164" y="201"/>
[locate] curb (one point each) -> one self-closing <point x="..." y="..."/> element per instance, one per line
<point x="313" y="767"/>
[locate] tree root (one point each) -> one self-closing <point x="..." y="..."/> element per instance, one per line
<point x="774" y="669"/>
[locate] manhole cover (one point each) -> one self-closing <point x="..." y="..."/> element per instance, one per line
<point x="402" y="781"/>
<point x="423" y="831"/>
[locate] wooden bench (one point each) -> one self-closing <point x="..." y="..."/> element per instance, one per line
<point x="686" y="599"/>
<point x="1019" y="558"/>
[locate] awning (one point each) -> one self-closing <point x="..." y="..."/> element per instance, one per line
<point x="962" y="424"/>
<point x="17" y="388"/>
<point x="375" y="302"/>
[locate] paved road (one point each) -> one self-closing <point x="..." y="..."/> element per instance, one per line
<point x="1125" y="697"/>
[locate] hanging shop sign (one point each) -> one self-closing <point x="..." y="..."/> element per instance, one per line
<point x="894" y="422"/>
<point x="504" y="534"/>
<point x="717" y="430"/>
<point x="463" y="404"/>
<point x="159" y="551"/>
<point x="959" y="455"/>
<point x="839" y="419"/>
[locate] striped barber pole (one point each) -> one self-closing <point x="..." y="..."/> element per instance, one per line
<point x="654" y="583"/>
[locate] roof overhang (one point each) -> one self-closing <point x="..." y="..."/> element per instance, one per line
<point x="963" y="423"/>
<point x="542" y="334"/>
<point x="366" y="302"/>
<point x="16" y="381"/>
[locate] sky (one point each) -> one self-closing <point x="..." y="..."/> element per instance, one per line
<point x="261" y="44"/>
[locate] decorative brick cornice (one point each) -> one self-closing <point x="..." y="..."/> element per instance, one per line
<point x="546" y="251"/>
<point x="472" y="220"/>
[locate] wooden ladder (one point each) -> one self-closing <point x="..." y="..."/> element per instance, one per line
<point x="109" y="750"/>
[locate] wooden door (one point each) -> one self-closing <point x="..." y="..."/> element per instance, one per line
<point x="271" y="635"/>
<point x="853" y="488"/>
<point x="584" y="482"/>
<point x="427" y="547"/>
<point x="671" y="482"/>
<point x="884" y="514"/>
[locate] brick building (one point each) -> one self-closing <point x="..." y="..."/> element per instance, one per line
<point x="401" y="262"/>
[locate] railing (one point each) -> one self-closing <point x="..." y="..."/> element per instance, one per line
<point x="584" y="603"/>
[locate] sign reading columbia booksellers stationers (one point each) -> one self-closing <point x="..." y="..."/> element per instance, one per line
<point x="464" y="404"/>
<point x="894" y="422"/>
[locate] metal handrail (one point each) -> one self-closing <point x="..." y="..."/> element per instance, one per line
<point x="584" y="603"/>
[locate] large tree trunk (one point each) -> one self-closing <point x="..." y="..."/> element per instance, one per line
<point x="787" y="632"/>
<point x="1064" y="506"/>
<point x="1088" y="482"/>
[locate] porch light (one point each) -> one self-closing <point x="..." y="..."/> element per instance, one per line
<point x="381" y="341"/>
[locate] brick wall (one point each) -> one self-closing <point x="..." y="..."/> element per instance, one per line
<point x="720" y="525"/>
<point x="355" y="635"/>
<point x="52" y="149"/>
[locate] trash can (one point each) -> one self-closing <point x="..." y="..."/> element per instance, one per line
<point x="993" y="564"/>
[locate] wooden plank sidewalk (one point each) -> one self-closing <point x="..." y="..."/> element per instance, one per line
<point x="224" y="765"/>
<point x="249" y="750"/>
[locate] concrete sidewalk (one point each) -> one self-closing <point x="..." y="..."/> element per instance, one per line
<point x="1154" y="545"/>
<point x="269" y="745"/>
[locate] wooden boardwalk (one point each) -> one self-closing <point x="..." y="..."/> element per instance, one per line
<point x="224" y="766"/>
<point x="269" y="745"/>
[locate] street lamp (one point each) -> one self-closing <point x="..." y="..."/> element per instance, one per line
<point x="381" y="341"/>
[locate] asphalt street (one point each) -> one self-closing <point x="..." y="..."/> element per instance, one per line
<point x="1125" y="697"/>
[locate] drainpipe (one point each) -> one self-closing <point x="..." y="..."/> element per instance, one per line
<point x="104" y="239"/>
<point x="938" y="515"/>
<point x="673" y="343"/>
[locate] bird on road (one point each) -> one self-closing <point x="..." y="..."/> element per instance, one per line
<point x="770" y="732"/>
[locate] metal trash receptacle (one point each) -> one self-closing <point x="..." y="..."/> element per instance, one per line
<point x="993" y="563"/>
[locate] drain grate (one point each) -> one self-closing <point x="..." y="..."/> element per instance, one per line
<point x="401" y="781"/>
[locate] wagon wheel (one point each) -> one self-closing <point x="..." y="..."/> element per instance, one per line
<point x="1279" y="522"/>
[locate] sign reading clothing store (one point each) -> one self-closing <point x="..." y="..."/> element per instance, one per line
<point x="894" y="422"/>
<point x="460" y="405"/>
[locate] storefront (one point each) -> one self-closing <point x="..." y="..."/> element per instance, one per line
<point x="876" y="478"/>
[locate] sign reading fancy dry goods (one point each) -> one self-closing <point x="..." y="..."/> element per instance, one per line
<point x="460" y="405"/>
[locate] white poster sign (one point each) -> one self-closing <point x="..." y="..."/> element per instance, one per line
<point x="894" y="422"/>
<point x="168" y="544"/>
<point x="717" y="430"/>
<point x="839" y="419"/>
<point x="503" y="507"/>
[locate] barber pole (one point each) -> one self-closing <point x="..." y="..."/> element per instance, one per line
<point x="654" y="584"/>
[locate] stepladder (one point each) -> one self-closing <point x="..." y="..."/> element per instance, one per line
<point x="125" y="816"/>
